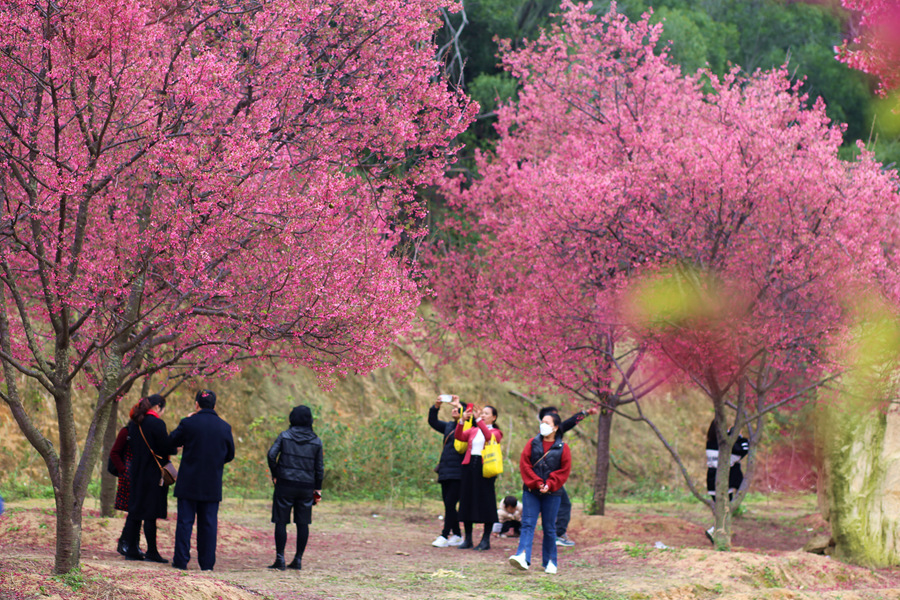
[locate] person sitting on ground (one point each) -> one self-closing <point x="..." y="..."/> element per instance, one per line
<point x="509" y="515"/>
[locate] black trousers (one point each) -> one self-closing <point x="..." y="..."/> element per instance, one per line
<point x="450" y="494"/>
<point x="514" y="525"/>
<point x="207" y="517"/>
<point x="564" y="514"/>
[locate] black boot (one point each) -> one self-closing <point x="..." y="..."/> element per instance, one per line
<point x="132" y="553"/>
<point x="485" y="543"/>
<point x="279" y="563"/>
<point x="295" y="564"/>
<point x="153" y="556"/>
<point x="130" y="540"/>
<point x="122" y="547"/>
<point x="467" y="543"/>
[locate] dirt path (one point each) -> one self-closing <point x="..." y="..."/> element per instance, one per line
<point x="359" y="551"/>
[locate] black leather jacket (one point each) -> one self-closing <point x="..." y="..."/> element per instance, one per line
<point x="296" y="457"/>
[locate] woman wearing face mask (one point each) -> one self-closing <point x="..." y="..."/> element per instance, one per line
<point x="477" y="498"/>
<point x="545" y="465"/>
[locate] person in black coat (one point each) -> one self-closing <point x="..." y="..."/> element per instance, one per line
<point x="298" y="468"/>
<point x="148" y="442"/>
<point x="449" y="472"/>
<point x="208" y="445"/>
<point x="740" y="449"/>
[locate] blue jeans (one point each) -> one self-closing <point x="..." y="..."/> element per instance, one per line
<point x="545" y="505"/>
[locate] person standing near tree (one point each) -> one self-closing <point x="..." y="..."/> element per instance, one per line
<point x="298" y="468"/>
<point x="147" y="497"/>
<point x="477" y="498"/>
<point x="208" y="445"/>
<point x="449" y="470"/>
<point x="565" y="506"/>
<point x="120" y="457"/>
<point x="735" y="475"/>
<point x="545" y="465"/>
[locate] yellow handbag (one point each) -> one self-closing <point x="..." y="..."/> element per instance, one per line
<point x="460" y="445"/>
<point x="491" y="459"/>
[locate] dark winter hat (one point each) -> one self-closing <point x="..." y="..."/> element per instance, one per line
<point x="301" y="416"/>
<point x="206" y="399"/>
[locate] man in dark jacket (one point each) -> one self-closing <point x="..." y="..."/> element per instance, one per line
<point x="565" y="505"/>
<point x="449" y="472"/>
<point x="298" y="468"/>
<point x="208" y="445"/>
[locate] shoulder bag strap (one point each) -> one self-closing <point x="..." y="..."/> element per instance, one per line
<point x="150" y="449"/>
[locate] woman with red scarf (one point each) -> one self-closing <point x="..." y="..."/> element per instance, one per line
<point x="148" y="440"/>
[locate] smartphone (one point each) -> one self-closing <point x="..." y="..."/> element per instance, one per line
<point x="470" y="406"/>
<point x="445" y="398"/>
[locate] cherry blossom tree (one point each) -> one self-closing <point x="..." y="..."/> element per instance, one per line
<point x="874" y="43"/>
<point x="635" y="225"/>
<point x="185" y="186"/>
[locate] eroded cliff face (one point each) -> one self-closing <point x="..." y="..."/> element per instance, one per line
<point x="859" y="486"/>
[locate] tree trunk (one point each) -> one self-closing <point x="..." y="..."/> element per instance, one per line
<point x="68" y="531"/>
<point x="68" y="505"/>
<point x="601" y="471"/>
<point x="859" y="482"/>
<point x="722" y="508"/>
<point x="108" y="482"/>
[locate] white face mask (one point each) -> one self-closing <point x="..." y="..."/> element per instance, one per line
<point x="546" y="429"/>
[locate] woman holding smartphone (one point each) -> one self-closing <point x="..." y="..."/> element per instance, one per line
<point x="449" y="469"/>
<point x="478" y="500"/>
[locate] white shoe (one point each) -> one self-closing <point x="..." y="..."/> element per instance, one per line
<point x="454" y="540"/>
<point x="551" y="568"/>
<point x="440" y="542"/>
<point x="518" y="561"/>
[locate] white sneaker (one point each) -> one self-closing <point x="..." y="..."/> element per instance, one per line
<point x="551" y="568"/>
<point x="518" y="561"/>
<point x="454" y="540"/>
<point x="440" y="542"/>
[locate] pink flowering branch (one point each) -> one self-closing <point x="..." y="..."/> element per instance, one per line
<point x="187" y="187"/>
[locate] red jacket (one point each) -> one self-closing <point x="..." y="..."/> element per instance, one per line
<point x="557" y="478"/>
<point x="469" y="434"/>
<point x="118" y="450"/>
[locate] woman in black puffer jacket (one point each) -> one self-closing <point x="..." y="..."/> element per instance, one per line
<point x="297" y="466"/>
<point x="449" y="472"/>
